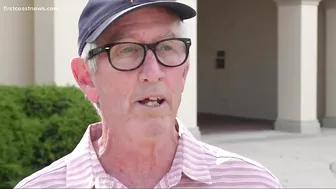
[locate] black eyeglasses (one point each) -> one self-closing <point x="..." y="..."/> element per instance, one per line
<point x="128" y="56"/>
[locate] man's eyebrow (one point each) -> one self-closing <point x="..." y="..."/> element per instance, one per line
<point x="169" y="34"/>
<point x="120" y="36"/>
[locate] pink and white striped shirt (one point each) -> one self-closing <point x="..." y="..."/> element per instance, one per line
<point x="196" y="165"/>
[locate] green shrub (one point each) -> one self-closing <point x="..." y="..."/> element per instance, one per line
<point x="39" y="124"/>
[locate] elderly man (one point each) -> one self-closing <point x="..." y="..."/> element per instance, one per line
<point x="133" y="66"/>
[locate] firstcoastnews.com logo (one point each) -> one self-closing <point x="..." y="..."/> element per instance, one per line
<point x="29" y="8"/>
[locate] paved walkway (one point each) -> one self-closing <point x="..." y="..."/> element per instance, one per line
<point x="298" y="161"/>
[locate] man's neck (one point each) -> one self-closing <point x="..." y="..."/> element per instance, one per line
<point x="137" y="163"/>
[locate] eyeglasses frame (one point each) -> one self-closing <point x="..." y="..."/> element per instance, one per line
<point x="146" y="46"/>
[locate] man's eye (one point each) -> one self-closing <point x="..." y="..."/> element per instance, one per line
<point x="127" y="50"/>
<point x="165" y="48"/>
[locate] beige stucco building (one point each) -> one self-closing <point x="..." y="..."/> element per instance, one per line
<point x="279" y="55"/>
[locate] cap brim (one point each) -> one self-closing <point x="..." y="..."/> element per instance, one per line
<point x="183" y="12"/>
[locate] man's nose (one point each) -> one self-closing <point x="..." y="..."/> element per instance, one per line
<point x="151" y="70"/>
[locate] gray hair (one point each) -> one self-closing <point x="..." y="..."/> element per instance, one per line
<point x="92" y="62"/>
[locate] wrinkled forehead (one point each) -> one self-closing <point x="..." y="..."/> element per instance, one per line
<point x="158" y="20"/>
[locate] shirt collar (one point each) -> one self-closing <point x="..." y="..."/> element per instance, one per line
<point x="194" y="165"/>
<point x="192" y="151"/>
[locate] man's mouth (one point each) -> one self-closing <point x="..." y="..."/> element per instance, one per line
<point x="152" y="101"/>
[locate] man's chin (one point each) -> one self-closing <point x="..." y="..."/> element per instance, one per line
<point x="153" y="116"/>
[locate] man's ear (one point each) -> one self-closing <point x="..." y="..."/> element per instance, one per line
<point x="184" y="74"/>
<point x="83" y="77"/>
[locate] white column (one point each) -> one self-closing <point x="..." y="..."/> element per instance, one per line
<point x="297" y="66"/>
<point x="330" y="114"/>
<point x="16" y="52"/>
<point x="56" y="34"/>
<point x="44" y="46"/>
<point x="188" y="108"/>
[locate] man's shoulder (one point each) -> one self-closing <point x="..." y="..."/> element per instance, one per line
<point x="225" y="166"/>
<point x="52" y="176"/>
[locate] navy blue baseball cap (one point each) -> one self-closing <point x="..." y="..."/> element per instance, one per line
<point x="99" y="14"/>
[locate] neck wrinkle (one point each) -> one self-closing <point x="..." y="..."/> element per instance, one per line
<point x="125" y="162"/>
